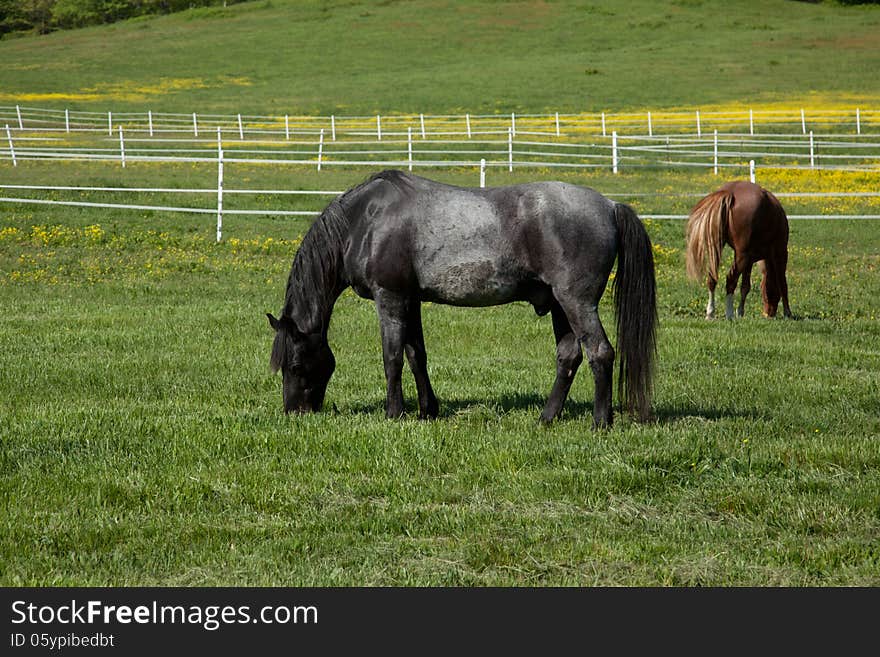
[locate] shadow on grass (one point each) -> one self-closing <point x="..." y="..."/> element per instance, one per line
<point x="678" y="413"/>
<point x="500" y="405"/>
<point x="513" y="402"/>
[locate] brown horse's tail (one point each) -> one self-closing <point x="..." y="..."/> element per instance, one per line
<point x="705" y="234"/>
<point x="635" y="302"/>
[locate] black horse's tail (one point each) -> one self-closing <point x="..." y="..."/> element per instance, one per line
<point x="635" y="302"/>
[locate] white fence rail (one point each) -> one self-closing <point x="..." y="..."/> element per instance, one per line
<point x="745" y="121"/>
<point x="735" y="140"/>
<point x="219" y="210"/>
<point x="850" y="141"/>
<point x="615" y="153"/>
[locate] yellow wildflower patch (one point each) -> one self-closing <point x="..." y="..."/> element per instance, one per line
<point x="664" y="254"/>
<point x="55" y="254"/>
<point x="128" y="90"/>
<point x="819" y="180"/>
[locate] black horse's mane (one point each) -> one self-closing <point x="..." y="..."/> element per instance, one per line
<point x="315" y="276"/>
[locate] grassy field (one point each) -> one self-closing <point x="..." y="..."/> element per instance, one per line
<point x="142" y="440"/>
<point x="277" y="57"/>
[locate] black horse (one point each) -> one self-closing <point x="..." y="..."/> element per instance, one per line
<point x="400" y="239"/>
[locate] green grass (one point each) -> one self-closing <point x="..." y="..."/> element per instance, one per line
<point x="143" y="440"/>
<point x="282" y="57"/>
<point x="141" y="435"/>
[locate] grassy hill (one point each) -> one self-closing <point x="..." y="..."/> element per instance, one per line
<point x="279" y="56"/>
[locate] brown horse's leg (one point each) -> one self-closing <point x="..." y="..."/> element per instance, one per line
<point x="739" y="264"/>
<point x="786" y="309"/>
<point x="775" y="286"/>
<point x="418" y="362"/>
<point x="568" y="359"/>
<point x="744" y="288"/>
<point x="711" y="283"/>
<point x="783" y="284"/>
<point x="768" y="291"/>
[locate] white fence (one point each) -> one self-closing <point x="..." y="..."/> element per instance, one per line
<point x="746" y="121"/>
<point x="220" y="192"/>
<point x="852" y="142"/>
<point x="618" y="152"/>
<point x="615" y="141"/>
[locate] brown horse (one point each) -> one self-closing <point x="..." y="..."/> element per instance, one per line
<point x="751" y="220"/>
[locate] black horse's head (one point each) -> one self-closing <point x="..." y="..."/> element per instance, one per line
<point x="306" y="363"/>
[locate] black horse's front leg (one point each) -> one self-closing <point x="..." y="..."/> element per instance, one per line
<point x="392" y="324"/>
<point x="418" y="362"/>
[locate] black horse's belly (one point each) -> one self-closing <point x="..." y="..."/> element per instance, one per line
<point x="468" y="283"/>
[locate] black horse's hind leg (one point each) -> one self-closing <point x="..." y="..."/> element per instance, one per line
<point x="392" y="311"/>
<point x="585" y="322"/>
<point x="418" y="362"/>
<point x="568" y="359"/>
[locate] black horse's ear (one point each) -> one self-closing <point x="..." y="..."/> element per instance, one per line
<point x="274" y="323"/>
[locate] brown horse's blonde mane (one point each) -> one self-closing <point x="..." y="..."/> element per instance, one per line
<point x="705" y="234"/>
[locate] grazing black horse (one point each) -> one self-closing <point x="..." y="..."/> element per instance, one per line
<point x="400" y="239"/>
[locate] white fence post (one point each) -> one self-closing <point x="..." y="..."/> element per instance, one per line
<point x="751" y="122"/>
<point x="803" y="122"/>
<point x="699" y="127"/>
<point x="409" y="145"/>
<point x="557" y="124"/>
<point x="752" y="170"/>
<point x="240" y="128"/>
<point x="219" y="186"/>
<point x="716" y="152"/>
<point x="121" y="147"/>
<point x="67" y="121"/>
<point x="150" y="121"/>
<point x="287" y="127"/>
<point x="603" y="125"/>
<point x="510" y="149"/>
<point x="195" y="125"/>
<point x="20" y="122"/>
<point x="333" y="127"/>
<point x="320" y="148"/>
<point x="110" y="123"/>
<point x="467" y="118"/>
<point x="650" y="127"/>
<point x="812" y="152"/>
<point x="422" y="121"/>
<point x="482" y="173"/>
<point x="378" y="128"/>
<point x="614" y="151"/>
<point x="11" y="147"/>
<point x="513" y="123"/>
<point x="858" y="121"/>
